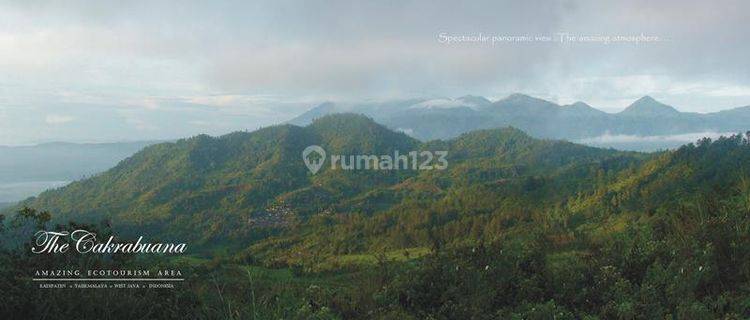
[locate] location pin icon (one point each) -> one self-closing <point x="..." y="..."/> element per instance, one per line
<point x="314" y="157"/>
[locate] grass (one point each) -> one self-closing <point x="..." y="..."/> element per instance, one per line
<point x="355" y="261"/>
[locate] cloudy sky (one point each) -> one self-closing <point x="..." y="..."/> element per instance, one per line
<point x="107" y="71"/>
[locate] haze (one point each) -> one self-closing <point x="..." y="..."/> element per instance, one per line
<point x="144" y="70"/>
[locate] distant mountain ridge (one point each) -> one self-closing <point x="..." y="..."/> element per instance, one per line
<point x="445" y="118"/>
<point x="648" y="106"/>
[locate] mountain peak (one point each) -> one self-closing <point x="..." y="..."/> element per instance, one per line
<point x="348" y="125"/>
<point x="517" y="96"/>
<point x="580" y="108"/>
<point x="648" y="106"/>
<point x="474" y="100"/>
<point x="318" y="111"/>
<point x="646" y="99"/>
<point x="350" y="133"/>
<point x="524" y="98"/>
<point x="519" y="102"/>
<point x="344" y="117"/>
<point x="580" y="104"/>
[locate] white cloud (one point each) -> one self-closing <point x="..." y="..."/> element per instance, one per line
<point x="253" y="62"/>
<point x="229" y="100"/>
<point x="199" y="123"/>
<point x="683" y="138"/>
<point x="55" y="119"/>
<point x="407" y="131"/>
<point x="730" y="91"/>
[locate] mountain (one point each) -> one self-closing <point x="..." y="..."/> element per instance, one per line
<point x="374" y="109"/>
<point x="521" y="104"/>
<point x="476" y="101"/>
<point x="583" y="109"/>
<point x="217" y="184"/>
<point x="707" y="171"/>
<point x="424" y="118"/>
<point x="636" y="128"/>
<point x="317" y="112"/>
<point x="648" y="107"/>
<point x="514" y="227"/>
<point x="253" y="189"/>
<point x="443" y="123"/>
<point x="734" y="120"/>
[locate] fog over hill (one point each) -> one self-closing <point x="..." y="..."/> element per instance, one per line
<point x="645" y="125"/>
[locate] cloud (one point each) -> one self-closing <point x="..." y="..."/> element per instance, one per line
<point x="265" y="61"/>
<point x="679" y="138"/>
<point x="55" y="119"/>
<point x="228" y="100"/>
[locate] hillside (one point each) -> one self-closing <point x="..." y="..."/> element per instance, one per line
<point x="225" y="186"/>
<point x="217" y="184"/>
<point x="600" y="236"/>
<point x="515" y="227"/>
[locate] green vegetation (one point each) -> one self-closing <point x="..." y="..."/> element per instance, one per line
<point x="515" y="228"/>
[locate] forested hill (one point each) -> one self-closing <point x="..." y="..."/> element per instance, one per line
<point x="206" y="188"/>
<point x="254" y="187"/>
<point x="593" y="236"/>
<point x="513" y="228"/>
